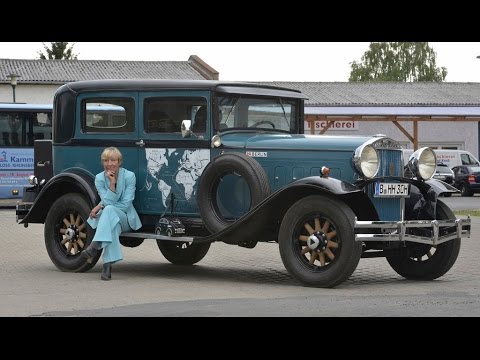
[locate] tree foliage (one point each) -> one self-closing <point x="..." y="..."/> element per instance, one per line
<point x="58" y="50"/>
<point x="398" y="61"/>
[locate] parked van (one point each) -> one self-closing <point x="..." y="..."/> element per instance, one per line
<point x="450" y="158"/>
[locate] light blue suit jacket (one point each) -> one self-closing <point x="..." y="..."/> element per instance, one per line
<point x="122" y="198"/>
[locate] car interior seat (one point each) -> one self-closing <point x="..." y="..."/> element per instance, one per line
<point x="200" y="124"/>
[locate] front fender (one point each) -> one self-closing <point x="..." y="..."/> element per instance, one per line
<point x="274" y="207"/>
<point x="441" y="187"/>
<point x="73" y="180"/>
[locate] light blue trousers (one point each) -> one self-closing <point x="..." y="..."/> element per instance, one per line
<point x="111" y="223"/>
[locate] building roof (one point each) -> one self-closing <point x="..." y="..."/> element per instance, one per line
<point x="63" y="71"/>
<point x="386" y="93"/>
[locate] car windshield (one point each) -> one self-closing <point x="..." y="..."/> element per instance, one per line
<point x="474" y="169"/>
<point x="247" y="112"/>
<point x="443" y="168"/>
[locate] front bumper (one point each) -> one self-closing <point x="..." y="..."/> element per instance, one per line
<point x="440" y="230"/>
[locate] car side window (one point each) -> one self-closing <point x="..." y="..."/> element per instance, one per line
<point x="165" y="114"/>
<point x="108" y="115"/>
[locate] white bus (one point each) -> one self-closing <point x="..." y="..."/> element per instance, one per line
<point x="20" y="125"/>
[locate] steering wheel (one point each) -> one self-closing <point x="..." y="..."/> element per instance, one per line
<point x="268" y="122"/>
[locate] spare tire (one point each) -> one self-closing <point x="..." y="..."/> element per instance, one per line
<point x="226" y="164"/>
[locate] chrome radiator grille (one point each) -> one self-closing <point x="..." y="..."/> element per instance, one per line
<point x="391" y="164"/>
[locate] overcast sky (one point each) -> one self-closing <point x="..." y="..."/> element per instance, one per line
<point x="261" y="61"/>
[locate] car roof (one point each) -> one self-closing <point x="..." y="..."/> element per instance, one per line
<point x="162" y="84"/>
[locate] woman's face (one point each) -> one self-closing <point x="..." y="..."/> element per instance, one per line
<point x="111" y="165"/>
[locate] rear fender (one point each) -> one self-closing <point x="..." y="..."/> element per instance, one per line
<point x="73" y="180"/>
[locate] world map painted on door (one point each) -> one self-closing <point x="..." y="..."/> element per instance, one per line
<point x="174" y="171"/>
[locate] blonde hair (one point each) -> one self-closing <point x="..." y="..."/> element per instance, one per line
<point x="112" y="153"/>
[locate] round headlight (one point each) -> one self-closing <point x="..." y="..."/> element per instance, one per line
<point x="423" y="163"/>
<point x="366" y="161"/>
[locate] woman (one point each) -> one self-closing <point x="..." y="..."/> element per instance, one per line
<point x="115" y="212"/>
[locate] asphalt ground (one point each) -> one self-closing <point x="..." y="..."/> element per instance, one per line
<point x="229" y="281"/>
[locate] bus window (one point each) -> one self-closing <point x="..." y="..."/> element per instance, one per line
<point x="20" y="126"/>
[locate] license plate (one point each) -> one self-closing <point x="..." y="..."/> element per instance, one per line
<point x="392" y="189"/>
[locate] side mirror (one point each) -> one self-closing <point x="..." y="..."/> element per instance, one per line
<point x="186" y="128"/>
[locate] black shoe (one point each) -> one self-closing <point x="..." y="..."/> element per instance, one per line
<point x="107" y="271"/>
<point x="90" y="252"/>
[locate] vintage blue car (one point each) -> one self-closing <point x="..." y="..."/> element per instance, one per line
<point x="232" y="162"/>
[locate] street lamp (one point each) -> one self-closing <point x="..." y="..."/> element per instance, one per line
<point x="13" y="82"/>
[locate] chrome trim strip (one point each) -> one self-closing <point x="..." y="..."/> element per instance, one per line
<point x="398" y="228"/>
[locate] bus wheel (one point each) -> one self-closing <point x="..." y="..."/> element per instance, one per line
<point x="67" y="233"/>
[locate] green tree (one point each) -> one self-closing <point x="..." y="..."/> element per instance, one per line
<point x="398" y="61"/>
<point x="58" y="50"/>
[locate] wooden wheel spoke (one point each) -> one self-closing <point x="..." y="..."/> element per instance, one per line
<point x="330" y="255"/>
<point x="63" y="231"/>
<point x="81" y="243"/>
<point x="309" y="228"/>
<point x="72" y="219"/>
<point x="66" y="222"/>
<point x="326" y="226"/>
<point x="322" y="259"/>
<point x="303" y="238"/>
<point x="313" y="256"/>
<point x="77" y="221"/>
<point x="69" y="247"/>
<point x="75" y="248"/>
<point x="305" y="250"/>
<point x="317" y="224"/>
<point x="331" y="235"/>
<point x="81" y="227"/>
<point x="65" y="239"/>
<point x="332" y="244"/>
<point x="82" y="235"/>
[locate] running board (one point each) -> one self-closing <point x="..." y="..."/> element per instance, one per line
<point x="144" y="235"/>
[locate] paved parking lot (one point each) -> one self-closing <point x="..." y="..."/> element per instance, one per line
<point x="229" y="281"/>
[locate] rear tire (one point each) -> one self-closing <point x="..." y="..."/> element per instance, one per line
<point x="67" y="233"/>
<point x="182" y="253"/>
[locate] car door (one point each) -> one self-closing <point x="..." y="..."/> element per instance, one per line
<point x="169" y="164"/>
<point x="102" y="119"/>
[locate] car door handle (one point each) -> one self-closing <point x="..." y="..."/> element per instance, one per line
<point x="140" y="143"/>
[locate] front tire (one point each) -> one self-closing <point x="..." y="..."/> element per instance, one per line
<point x="426" y="262"/>
<point x="67" y="233"/>
<point x="317" y="241"/>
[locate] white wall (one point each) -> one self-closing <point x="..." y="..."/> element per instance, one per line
<point x="430" y="133"/>
<point x="34" y="94"/>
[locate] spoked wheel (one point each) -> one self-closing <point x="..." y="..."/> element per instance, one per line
<point x="67" y="233"/>
<point x="427" y="262"/>
<point x="317" y="242"/>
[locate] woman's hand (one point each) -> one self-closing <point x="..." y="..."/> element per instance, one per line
<point x="95" y="210"/>
<point x="113" y="179"/>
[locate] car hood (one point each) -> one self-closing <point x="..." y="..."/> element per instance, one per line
<point x="271" y="141"/>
